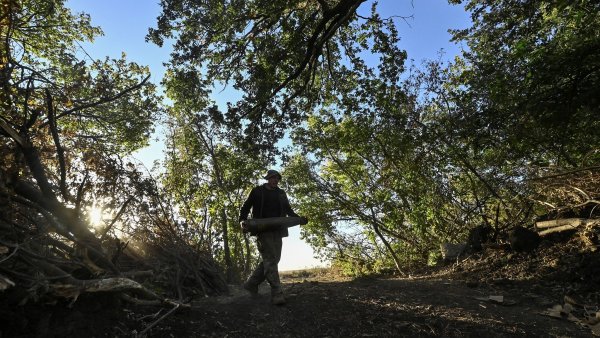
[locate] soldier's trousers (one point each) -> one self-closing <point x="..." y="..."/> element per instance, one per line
<point x="269" y="245"/>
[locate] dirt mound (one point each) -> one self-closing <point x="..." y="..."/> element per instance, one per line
<point x="566" y="260"/>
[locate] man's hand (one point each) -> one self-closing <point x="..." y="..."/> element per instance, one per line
<point x="304" y="220"/>
<point x="244" y="226"/>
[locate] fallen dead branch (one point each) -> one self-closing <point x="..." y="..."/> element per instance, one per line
<point x="573" y="222"/>
<point x="109" y="285"/>
<point x="5" y="283"/>
<point x="143" y="333"/>
<point x="553" y="226"/>
<point x="101" y="285"/>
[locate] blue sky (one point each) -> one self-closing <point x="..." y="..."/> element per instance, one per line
<point x="125" y="24"/>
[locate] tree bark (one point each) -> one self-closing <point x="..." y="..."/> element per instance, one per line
<point x="226" y="250"/>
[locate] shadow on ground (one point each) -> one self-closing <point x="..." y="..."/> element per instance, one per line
<point x="376" y="308"/>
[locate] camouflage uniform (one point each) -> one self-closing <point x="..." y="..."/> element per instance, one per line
<point x="269" y="247"/>
<point x="265" y="203"/>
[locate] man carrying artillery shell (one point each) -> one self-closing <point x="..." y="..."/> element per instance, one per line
<point x="269" y="224"/>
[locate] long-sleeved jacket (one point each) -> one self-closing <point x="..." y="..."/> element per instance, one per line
<point x="256" y="201"/>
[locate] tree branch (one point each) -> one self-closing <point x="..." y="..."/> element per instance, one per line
<point x="59" y="149"/>
<point x="326" y="28"/>
<point x="106" y="99"/>
<point x="115" y="219"/>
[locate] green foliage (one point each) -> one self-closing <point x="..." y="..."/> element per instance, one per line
<point x="368" y="160"/>
<point x="371" y="160"/>
<point x="66" y="125"/>
<point x="283" y="56"/>
<point x="533" y="78"/>
<point x="386" y="165"/>
<point x="74" y="118"/>
<point x="207" y="175"/>
<point x="105" y="100"/>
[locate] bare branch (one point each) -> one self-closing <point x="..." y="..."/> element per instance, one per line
<point x="115" y="219"/>
<point x="59" y="149"/>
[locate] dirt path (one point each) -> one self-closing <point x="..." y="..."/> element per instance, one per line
<point x="317" y="307"/>
<point x="452" y="300"/>
<point x="376" y="308"/>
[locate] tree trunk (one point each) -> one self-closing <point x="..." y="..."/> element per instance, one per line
<point x="226" y="250"/>
<point x="389" y="248"/>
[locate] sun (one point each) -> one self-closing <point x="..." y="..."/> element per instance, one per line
<point x="95" y="215"/>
